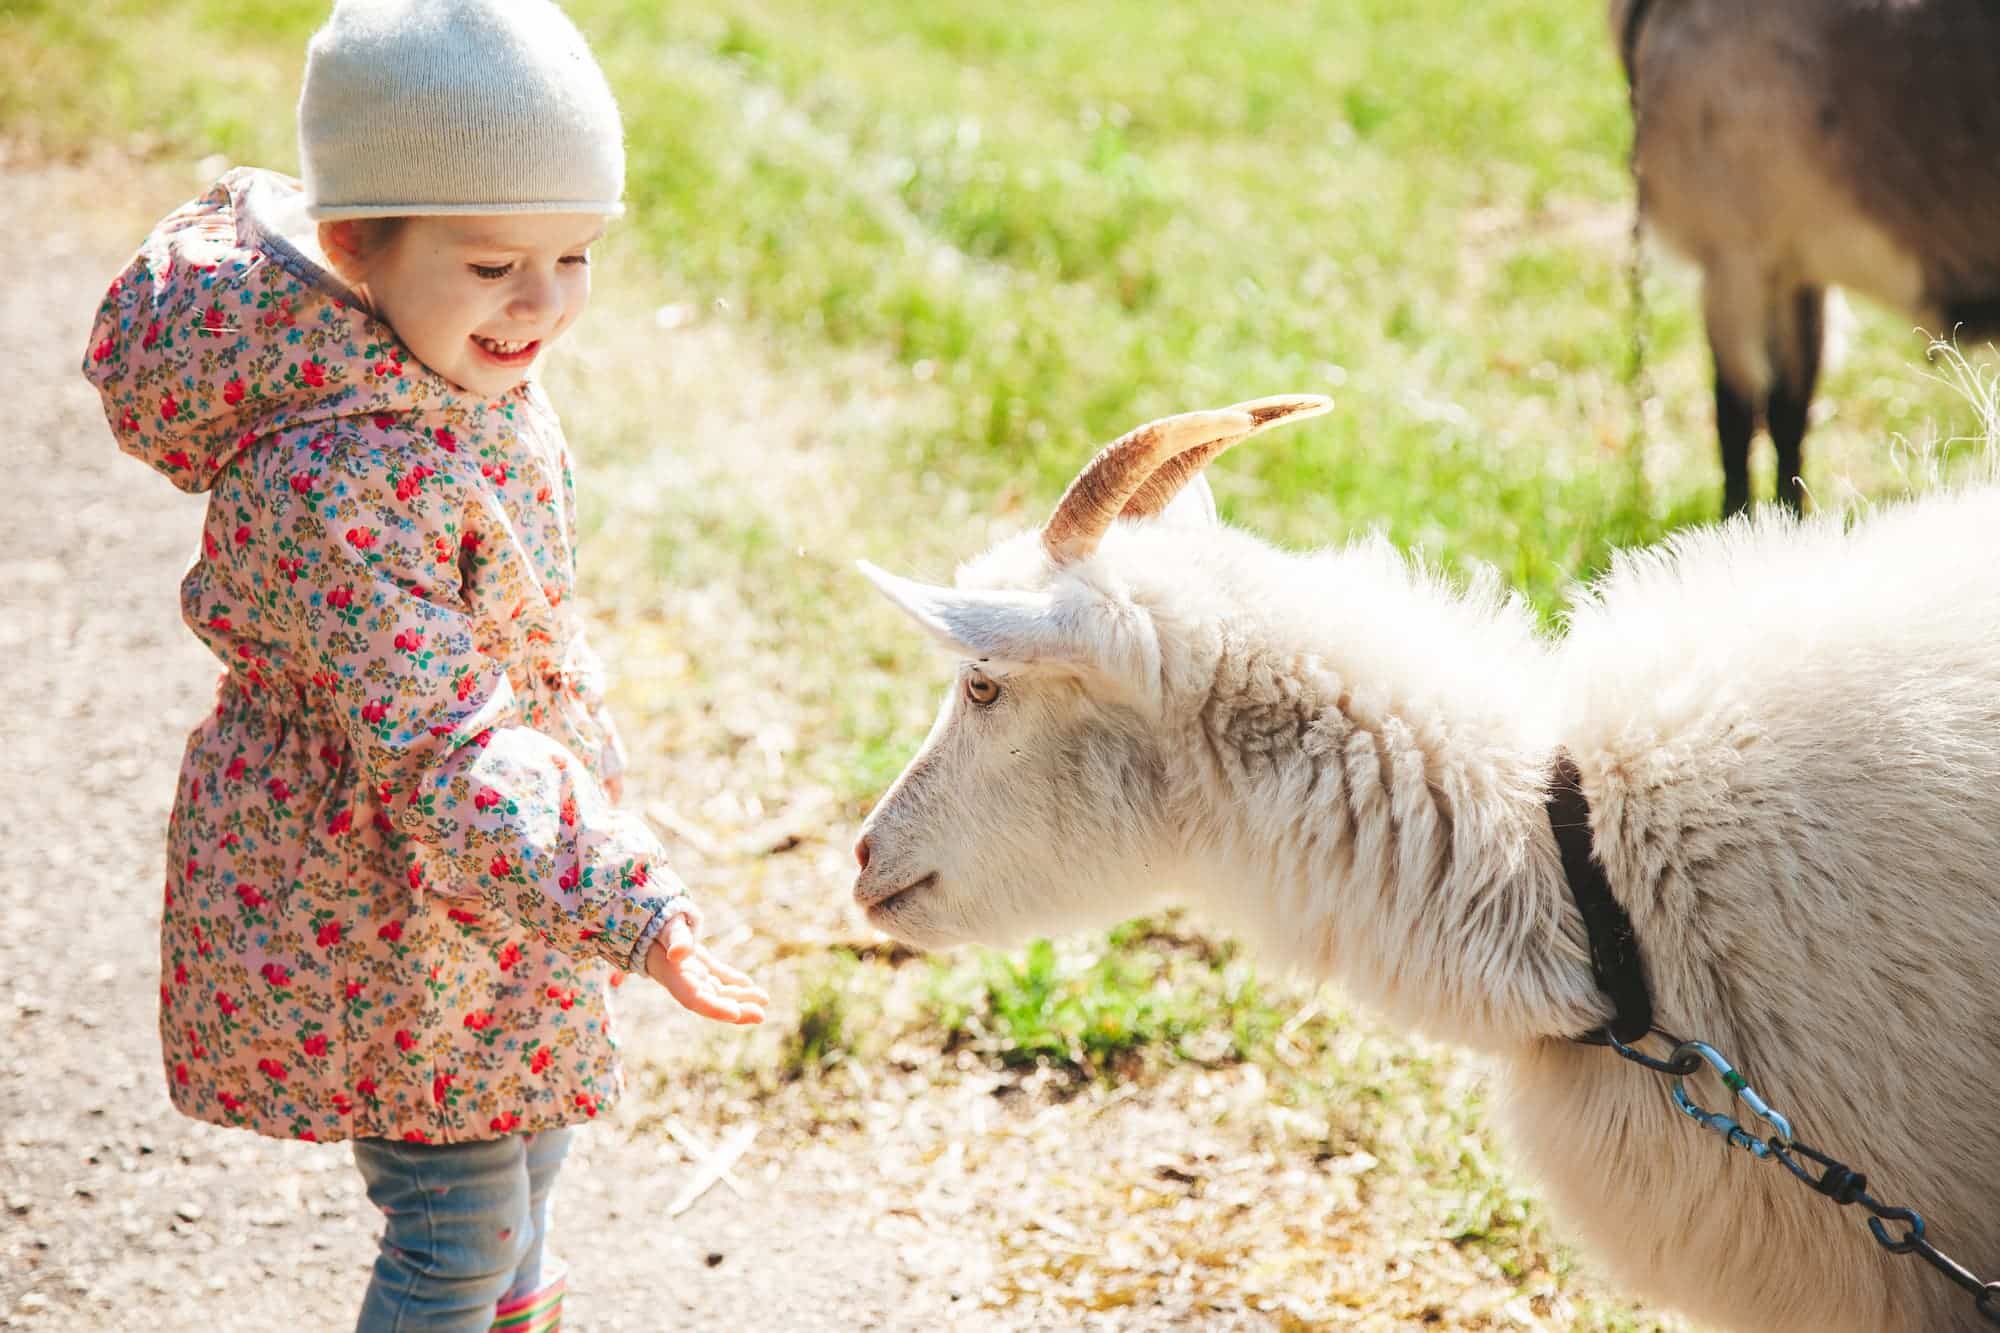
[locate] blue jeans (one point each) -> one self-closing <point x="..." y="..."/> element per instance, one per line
<point x="464" y="1227"/>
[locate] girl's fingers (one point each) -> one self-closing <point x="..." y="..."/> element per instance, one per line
<point x="697" y="1000"/>
<point x="724" y="970"/>
<point x="702" y="983"/>
<point x="697" y="993"/>
<point x="725" y="975"/>
<point x="743" y="992"/>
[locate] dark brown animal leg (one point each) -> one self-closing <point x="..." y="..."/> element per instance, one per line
<point x="1796" y="362"/>
<point x="1973" y="321"/>
<point x="1739" y="319"/>
<point x="1735" y="422"/>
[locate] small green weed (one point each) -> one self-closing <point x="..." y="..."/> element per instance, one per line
<point x="826" y="1027"/>
<point x="1145" y="994"/>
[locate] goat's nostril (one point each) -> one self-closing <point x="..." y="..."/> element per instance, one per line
<point x="861" y="852"/>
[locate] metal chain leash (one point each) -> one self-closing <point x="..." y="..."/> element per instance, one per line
<point x="1835" y="1180"/>
<point x="1638" y="379"/>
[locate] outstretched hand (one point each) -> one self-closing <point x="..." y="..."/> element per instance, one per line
<point x="701" y="982"/>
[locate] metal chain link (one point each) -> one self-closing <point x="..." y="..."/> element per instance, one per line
<point x="1638" y="377"/>
<point x="1835" y="1180"/>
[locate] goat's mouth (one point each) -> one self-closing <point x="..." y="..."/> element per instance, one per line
<point x="885" y="907"/>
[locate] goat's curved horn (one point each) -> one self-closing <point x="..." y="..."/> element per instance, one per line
<point x="1173" y="473"/>
<point x="1120" y="468"/>
<point x="1137" y="474"/>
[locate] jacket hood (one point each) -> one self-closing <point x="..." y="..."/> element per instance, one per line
<point x="221" y="331"/>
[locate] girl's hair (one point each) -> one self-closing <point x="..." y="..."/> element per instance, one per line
<point x="374" y="235"/>
<point x="365" y="243"/>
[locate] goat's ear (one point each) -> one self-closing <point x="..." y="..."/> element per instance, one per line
<point x="1194" y="507"/>
<point x="1011" y="626"/>
<point x="1080" y="631"/>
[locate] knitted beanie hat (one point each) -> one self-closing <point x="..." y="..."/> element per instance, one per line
<point x="456" y="106"/>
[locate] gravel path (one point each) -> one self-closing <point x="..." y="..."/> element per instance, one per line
<point x="119" y="1214"/>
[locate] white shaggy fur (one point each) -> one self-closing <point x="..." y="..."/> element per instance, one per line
<point x="1789" y="734"/>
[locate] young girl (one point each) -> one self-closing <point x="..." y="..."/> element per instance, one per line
<point x="396" y="878"/>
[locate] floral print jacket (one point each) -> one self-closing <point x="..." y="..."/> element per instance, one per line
<point x="394" y="878"/>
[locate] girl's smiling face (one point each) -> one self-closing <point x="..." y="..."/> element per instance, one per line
<point x="474" y="298"/>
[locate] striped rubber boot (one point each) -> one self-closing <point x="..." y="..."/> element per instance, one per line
<point x="540" y="1311"/>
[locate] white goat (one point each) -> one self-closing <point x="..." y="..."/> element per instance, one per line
<point x="1791" y="145"/>
<point x="1789" y="737"/>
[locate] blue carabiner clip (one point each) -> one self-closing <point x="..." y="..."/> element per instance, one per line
<point x="1732" y="1132"/>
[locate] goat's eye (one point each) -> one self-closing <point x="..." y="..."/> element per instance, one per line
<point x="982" y="690"/>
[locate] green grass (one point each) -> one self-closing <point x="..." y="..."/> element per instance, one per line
<point x="1141" y="992"/>
<point x="825" y="1029"/>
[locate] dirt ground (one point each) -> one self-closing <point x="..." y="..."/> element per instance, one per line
<point x="118" y="1212"/>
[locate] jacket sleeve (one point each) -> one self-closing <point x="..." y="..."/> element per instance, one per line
<point x="611" y="759"/>
<point x="376" y="618"/>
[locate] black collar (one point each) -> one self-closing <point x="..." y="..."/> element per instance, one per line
<point x="1614" y="947"/>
